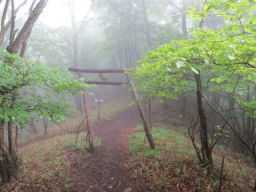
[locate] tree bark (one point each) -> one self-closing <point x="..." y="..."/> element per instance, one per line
<point x="3" y="28"/>
<point x="150" y="112"/>
<point x="184" y="24"/>
<point x="8" y="163"/>
<point x="24" y="44"/>
<point x="45" y="122"/>
<point x="205" y="149"/>
<point x="11" y="138"/>
<point x="16" y="137"/>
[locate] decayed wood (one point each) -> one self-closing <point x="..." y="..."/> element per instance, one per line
<point x="106" y="82"/>
<point x="74" y="69"/>
<point x="88" y="117"/>
<point x="141" y="112"/>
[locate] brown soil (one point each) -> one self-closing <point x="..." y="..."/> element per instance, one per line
<point x="104" y="170"/>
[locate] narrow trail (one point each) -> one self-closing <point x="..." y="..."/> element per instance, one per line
<point x="103" y="171"/>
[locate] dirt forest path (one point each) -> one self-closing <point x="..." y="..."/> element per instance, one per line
<point x="103" y="171"/>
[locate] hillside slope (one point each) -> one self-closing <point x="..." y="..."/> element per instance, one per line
<point x="56" y="164"/>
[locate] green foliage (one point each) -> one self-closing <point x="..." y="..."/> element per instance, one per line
<point x="18" y="80"/>
<point x="140" y="146"/>
<point x="225" y="58"/>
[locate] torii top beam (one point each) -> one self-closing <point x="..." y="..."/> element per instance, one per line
<point x="74" y="69"/>
<point x="104" y="82"/>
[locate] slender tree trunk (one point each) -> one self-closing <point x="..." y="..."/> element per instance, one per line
<point x="148" y="27"/>
<point x="16" y="136"/>
<point x="205" y="150"/>
<point x="45" y="123"/>
<point x="255" y="168"/>
<point x="3" y="27"/>
<point x="149" y="42"/>
<point x="150" y="112"/>
<point x="12" y="151"/>
<point x="183" y="104"/>
<point x="32" y="125"/>
<point x="8" y="166"/>
<point x="3" y="170"/>
<point x="184" y="24"/>
<point x="9" y="158"/>
<point x="11" y="138"/>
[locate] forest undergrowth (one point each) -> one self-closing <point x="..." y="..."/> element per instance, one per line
<point x="45" y="158"/>
<point x="45" y="164"/>
<point x="175" y="167"/>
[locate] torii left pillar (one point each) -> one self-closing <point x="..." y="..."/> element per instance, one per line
<point x="88" y="118"/>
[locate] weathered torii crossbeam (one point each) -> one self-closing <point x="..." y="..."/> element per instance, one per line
<point x="106" y="82"/>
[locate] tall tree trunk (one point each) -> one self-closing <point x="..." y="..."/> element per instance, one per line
<point x="150" y="112"/>
<point x="3" y="169"/>
<point x="205" y="148"/>
<point x="9" y="162"/>
<point x="147" y="24"/>
<point x="149" y="42"/>
<point x="184" y="24"/>
<point x="16" y="136"/>
<point x="11" y="138"/>
<point x="12" y="150"/>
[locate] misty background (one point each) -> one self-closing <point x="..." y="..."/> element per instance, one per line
<point x="104" y="34"/>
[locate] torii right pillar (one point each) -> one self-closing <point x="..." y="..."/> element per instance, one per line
<point x="141" y="112"/>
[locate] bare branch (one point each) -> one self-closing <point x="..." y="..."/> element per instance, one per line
<point x="192" y="137"/>
<point x="230" y="126"/>
<point x="20" y="6"/>
<point x="14" y="48"/>
<point x="16" y="11"/>
<point x="3" y="28"/>
<point x="32" y="7"/>
<point x="12" y="33"/>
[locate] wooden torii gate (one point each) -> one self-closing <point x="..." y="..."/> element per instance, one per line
<point x="128" y="82"/>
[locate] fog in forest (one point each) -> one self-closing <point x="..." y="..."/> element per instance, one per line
<point x="162" y="93"/>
